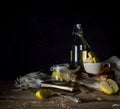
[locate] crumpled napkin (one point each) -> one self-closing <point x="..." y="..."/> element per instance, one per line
<point x="115" y="64"/>
<point x="31" y="80"/>
<point x="114" y="61"/>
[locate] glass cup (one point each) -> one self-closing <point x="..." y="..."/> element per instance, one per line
<point x="60" y="74"/>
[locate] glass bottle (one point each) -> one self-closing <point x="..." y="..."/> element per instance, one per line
<point x="79" y="48"/>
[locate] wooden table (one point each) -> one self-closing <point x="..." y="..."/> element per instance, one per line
<point x="11" y="99"/>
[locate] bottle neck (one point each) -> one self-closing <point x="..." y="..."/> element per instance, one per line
<point x="78" y="44"/>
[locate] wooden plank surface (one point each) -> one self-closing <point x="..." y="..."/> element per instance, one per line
<point x="11" y="99"/>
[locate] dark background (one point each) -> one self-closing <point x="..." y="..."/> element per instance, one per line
<point x="37" y="35"/>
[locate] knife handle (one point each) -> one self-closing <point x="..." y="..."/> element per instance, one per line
<point x="77" y="100"/>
